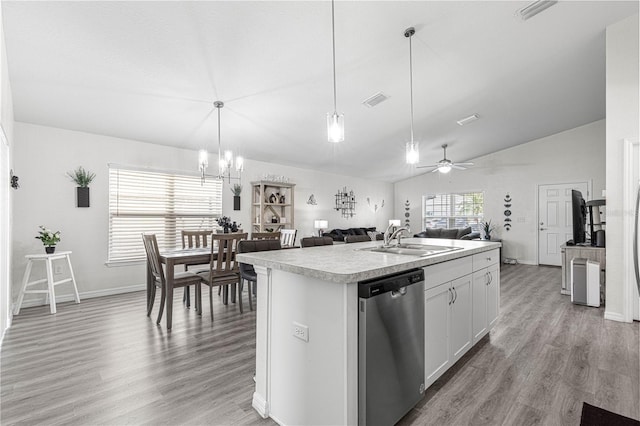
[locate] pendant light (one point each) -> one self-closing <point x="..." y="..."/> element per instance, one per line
<point x="413" y="153"/>
<point x="225" y="163"/>
<point x="335" y="121"/>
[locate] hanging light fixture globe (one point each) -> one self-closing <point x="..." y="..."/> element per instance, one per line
<point x="335" y="121"/>
<point x="412" y="148"/>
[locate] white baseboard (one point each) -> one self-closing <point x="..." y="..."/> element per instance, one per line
<point x="84" y="295"/>
<point x="527" y="262"/>
<point x="260" y="405"/>
<point x="614" y="316"/>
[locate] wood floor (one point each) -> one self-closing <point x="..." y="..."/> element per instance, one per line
<point x="105" y="362"/>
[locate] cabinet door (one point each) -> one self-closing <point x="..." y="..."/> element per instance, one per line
<point x="437" y="361"/>
<point x="461" y="326"/>
<point x="493" y="296"/>
<point x="479" y="301"/>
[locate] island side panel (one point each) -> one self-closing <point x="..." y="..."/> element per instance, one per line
<point x="314" y="381"/>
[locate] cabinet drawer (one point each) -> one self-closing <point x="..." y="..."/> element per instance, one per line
<point x="446" y="271"/>
<point x="484" y="259"/>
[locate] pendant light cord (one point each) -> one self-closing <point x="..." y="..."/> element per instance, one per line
<point x="333" y="40"/>
<point x="411" y="84"/>
<point x="219" y="144"/>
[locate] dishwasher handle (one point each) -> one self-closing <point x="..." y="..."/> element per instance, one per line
<point x="398" y="293"/>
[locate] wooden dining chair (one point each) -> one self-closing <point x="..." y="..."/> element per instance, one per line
<point x="181" y="279"/>
<point x="247" y="273"/>
<point x="288" y="237"/>
<point x="316" y="241"/>
<point x="194" y="239"/>
<point x="223" y="269"/>
<point x="265" y="235"/>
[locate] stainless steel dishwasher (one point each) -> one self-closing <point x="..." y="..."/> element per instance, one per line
<point x="390" y="347"/>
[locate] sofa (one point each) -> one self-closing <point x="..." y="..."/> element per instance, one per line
<point x="340" y="234"/>
<point x="449" y="233"/>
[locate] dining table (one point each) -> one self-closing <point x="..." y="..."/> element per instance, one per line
<point x="171" y="258"/>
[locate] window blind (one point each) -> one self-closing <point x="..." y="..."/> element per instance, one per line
<point x="157" y="202"/>
<point x="457" y="210"/>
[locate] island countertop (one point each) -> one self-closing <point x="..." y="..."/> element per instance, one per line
<point x="348" y="263"/>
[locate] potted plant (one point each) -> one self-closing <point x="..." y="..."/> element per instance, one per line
<point x="49" y="239"/>
<point x="487" y="227"/>
<point x="227" y="225"/>
<point x="82" y="178"/>
<point x="236" y="189"/>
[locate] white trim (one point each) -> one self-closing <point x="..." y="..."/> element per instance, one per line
<point x="628" y="207"/>
<point x="119" y="263"/>
<point x="260" y="405"/>
<point x="614" y="316"/>
<point x="85" y="295"/>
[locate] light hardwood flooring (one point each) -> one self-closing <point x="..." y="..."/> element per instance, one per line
<point x="105" y="362"/>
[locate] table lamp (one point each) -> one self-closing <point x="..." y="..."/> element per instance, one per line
<point x="320" y="225"/>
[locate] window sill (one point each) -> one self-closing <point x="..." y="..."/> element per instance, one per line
<point x="118" y="263"/>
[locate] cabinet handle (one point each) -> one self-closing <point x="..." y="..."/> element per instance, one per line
<point x="455" y="295"/>
<point x="490" y="277"/>
<point x="486" y="278"/>
<point x="488" y="259"/>
<point x="450" y="296"/>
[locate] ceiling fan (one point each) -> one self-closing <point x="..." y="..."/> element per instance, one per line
<point x="445" y="165"/>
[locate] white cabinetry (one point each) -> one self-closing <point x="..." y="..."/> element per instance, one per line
<point x="447" y="315"/>
<point x="486" y="293"/>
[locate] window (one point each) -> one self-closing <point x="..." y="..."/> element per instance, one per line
<point x="161" y="203"/>
<point x="453" y="210"/>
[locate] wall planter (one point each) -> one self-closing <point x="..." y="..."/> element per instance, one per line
<point x="82" y="178"/>
<point x="236" y="202"/>
<point x="82" y="196"/>
<point x="237" y="190"/>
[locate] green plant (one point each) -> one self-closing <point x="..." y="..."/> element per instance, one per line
<point x="81" y="177"/>
<point x="48" y="237"/>
<point x="236" y="189"/>
<point x="487" y="227"/>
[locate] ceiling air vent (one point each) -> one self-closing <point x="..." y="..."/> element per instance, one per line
<point x="534" y="8"/>
<point x="374" y="100"/>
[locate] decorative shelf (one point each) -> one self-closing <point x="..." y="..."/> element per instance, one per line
<point x="262" y="210"/>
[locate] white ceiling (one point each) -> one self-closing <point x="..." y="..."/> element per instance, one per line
<point x="150" y="71"/>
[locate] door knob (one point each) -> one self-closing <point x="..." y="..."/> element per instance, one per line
<point x="543" y="229"/>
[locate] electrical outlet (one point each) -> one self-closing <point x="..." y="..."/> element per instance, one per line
<point x="300" y="331"/>
<point x="57" y="269"/>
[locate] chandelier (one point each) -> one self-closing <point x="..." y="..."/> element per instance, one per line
<point x="225" y="162"/>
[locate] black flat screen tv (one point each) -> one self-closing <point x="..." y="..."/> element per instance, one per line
<point x="578" y="216"/>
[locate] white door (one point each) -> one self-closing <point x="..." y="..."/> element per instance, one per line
<point x="436" y="327"/>
<point x="554" y="219"/>
<point x="461" y="337"/>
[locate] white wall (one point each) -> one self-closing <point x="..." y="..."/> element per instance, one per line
<point x="47" y="197"/>
<point x="6" y="120"/>
<point x="622" y="122"/>
<point x="576" y="155"/>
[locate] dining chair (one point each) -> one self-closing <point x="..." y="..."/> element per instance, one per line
<point x="316" y="241"/>
<point x="223" y="269"/>
<point x="265" y="235"/>
<point x="356" y="238"/>
<point x="181" y="279"/>
<point x="194" y="239"/>
<point x="247" y="273"/>
<point x="288" y="237"/>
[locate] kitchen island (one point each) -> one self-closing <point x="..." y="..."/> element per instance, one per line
<point x="307" y="320"/>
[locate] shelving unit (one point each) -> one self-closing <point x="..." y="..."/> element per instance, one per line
<point x="272" y="201"/>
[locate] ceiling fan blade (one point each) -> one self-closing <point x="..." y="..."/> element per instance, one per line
<point x="435" y="170"/>
<point x="464" y="164"/>
<point x="458" y="167"/>
<point x="422" y="167"/>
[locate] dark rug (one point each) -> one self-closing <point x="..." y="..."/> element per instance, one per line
<point x="595" y="416"/>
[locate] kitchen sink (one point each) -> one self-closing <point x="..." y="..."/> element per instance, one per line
<point x="412" y="249"/>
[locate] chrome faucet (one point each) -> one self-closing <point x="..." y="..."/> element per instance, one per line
<point x="390" y="236"/>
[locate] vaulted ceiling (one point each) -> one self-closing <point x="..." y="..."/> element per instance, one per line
<point x="150" y="71"/>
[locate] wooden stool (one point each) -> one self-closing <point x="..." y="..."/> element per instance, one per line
<point x="50" y="291"/>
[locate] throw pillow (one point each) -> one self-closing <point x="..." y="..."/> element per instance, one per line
<point x="449" y="233"/>
<point x="359" y="231"/>
<point x="433" y="232"/>
<point x="463" y="232"/>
